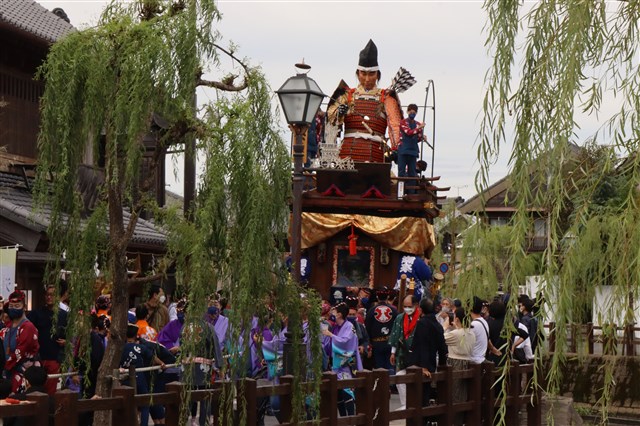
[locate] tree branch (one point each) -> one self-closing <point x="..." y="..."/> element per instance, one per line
<point x="144" y="280"/>
<point x="242" y="64"/>
<point x="222" y="86"/>
<point x="226" y="84"/>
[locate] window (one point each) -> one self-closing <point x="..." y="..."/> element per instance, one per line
<point x="498" y="221"/>
<point x="540" y="228"/>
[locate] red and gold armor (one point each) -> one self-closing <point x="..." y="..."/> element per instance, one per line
<point x="369" y="115"/>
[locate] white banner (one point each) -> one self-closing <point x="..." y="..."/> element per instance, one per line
<point x="8" y="258"/>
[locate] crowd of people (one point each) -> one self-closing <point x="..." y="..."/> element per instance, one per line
<point x="428" y="332"/>
<point x="361" y="328"/>
<point x="34" y="345"/>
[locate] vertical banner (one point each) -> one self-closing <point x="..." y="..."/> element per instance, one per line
<point x="8" y="258"/>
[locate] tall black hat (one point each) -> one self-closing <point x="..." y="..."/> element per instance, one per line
<point x="368" y="57"/>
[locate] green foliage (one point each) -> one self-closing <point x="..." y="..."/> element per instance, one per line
<point x="575" y="58"/>
<point x="103" y="86"/>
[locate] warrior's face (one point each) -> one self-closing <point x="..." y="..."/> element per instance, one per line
<point x="368" y="79"/>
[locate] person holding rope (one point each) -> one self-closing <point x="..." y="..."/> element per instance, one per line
<point x="139" y="355"/>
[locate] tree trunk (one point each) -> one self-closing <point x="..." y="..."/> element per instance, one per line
<point x="119" y="293"/>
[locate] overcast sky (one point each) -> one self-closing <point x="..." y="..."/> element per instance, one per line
<point x="441" y="41"/>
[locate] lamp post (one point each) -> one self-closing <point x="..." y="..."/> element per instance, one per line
<point x="300" y="98"/>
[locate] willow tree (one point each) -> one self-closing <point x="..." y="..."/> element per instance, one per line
<point x="557" y="64"/>
<point x="104" y="85"/>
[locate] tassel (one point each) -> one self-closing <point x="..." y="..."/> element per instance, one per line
<point x="353" y="242"/>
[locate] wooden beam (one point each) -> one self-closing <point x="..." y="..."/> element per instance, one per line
<point x="15" y="233"/>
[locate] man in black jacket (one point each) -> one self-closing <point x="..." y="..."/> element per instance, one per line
<point x="428" y="349"/>
<point x="52" y="342"/>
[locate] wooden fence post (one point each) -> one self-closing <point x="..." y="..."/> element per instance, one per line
<point x="514" y="393"/>
<point x="609" y="339"/>
<point x="132" y="379"/>
<point x="329" y="398"/>
<point x="475" y="392"/>
<point x="590" y="338"/>
<point x="226" y="387"/>
<point x="488" y="392"/>
<point x="248" y="390"/>
<point x="66" y="402"/>
<point x="414" y="395"/>
<point x="534" y="405"/>
<point x="552" y="337"/>
<point x="573" y="345"/>
<point x="365" y="395"/>
<point x="629" y="337"/>
<point x="445" y="394"/>
<point x="286" y="401"/>
<point x="381" y="394"/>
<point x="128" y="414"/>
<point x="172" y="411"/>
<point x="41" y="410"/>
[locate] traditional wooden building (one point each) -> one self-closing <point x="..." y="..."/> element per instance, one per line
<point x="27" y="31"/>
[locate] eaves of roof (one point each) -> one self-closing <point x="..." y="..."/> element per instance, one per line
<point x="31" y="18"/>
<point x="475" y="203"/>
<point x="17" y="205"/>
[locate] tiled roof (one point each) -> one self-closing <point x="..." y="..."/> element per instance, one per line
<point x="16" y="204"/>
<point x="31" y="17"/>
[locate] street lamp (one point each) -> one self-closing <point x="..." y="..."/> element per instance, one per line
<point x="300" y="98"/>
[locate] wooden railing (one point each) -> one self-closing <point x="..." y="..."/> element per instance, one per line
<point x="609" y="340"/>
<point x="371" y="389"/>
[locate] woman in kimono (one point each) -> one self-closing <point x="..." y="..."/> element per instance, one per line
<point x="345" y="356"/>
<point x="272" y="343"/>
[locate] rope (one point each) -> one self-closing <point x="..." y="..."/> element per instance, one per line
<point x="61" y="375"/>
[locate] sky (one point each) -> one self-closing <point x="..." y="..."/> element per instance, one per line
<point x="442" y="41"/>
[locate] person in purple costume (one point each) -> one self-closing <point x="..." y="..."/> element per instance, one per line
<point x="345" y="356"/>
<point x="272" y="351"/>
<point x="255" y="356"/>
<point x="169" y="336"/>
<point x="219" y="323"/>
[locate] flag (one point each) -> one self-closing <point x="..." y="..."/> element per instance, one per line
<point x="8" y="258"/>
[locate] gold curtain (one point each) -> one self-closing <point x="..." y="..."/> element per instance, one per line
<point x="407" y="234"/>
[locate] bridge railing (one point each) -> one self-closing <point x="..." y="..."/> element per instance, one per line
<point x="371" y="389"/>
<point x="597" y="340"/>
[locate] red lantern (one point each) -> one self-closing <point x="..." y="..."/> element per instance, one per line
<point x="353" y="242"/>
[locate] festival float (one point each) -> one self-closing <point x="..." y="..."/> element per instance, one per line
<point x="360" y="223"/>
